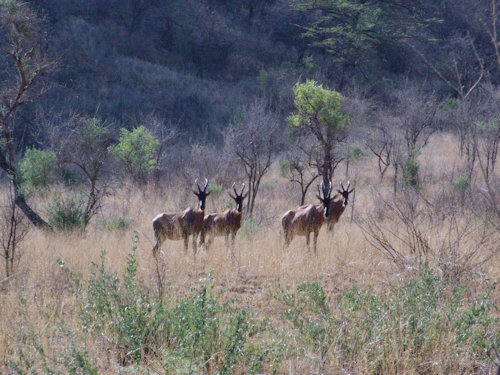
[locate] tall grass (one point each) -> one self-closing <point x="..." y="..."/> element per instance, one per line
<point x="87" y="302"/>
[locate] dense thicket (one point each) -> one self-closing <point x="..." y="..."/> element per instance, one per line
<point x="196" y="62"/>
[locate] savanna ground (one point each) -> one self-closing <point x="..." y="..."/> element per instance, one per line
<point x="354" y="307"/>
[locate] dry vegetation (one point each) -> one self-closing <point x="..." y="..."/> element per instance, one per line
<point x="42" y="329"/>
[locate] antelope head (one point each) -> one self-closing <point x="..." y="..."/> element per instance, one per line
<point x="238" y="198"/>
<point x="325" y="198"/>
<point x="345" y="192"/>
<point x="202" y="194"/>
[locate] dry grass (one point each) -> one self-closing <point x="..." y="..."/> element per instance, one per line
<point x="39" y="294"/>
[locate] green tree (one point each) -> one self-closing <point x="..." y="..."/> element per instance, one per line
<point x="38" y="169"/>
<point x="137" y="149"/>
<point x="320" y="113"/>
<point x="23" y="74"/>
<point x="353" y="30"/>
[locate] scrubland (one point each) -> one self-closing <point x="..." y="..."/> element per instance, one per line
<point x="406" y="283"/>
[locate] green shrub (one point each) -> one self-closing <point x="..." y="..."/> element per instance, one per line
<point x="356" y="153"/>
<point x="215" y="190"/>
<point x="137" y="150"/>
<point x="117" y="223"/>
<point x="248" y="228"/>
<point x="66" y="213"/>
<point x="38" y="169"/>
<point x="410" y="173"/>
<point x="197" y="333"/>
<point x="284" y="168"/>
<point x="461" y="184"/>
<point x="413" y="321"/>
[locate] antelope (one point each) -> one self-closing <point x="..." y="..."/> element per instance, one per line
<point x="180" y="225"/>
<point x="337" y="207"/>
<point x="225" y="223"/>
<point x="309" y="218"/>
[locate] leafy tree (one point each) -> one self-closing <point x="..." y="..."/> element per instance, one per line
<point x="22" y="83"/>
<point x="38" y="169"/>
<point x="137" y="150"/>
<point x="320" y="113"/>
<point x="351" y="30"/>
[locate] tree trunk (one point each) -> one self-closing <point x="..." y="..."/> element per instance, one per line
<point x="32" y="216"/>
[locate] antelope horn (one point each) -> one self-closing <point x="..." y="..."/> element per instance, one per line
<point x="320" y="189"/>
<point x="206" y="184"/>
<point x="235" y="192"/>
<point x="196" y="182"/>
<point x="341" y="185"/>
<point x="242" y="188"/>
<point x="348" y="184"/>
<point x="330" y="189"/>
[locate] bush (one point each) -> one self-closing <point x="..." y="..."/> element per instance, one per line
<point x="197" y="332"/>
<point x="66" y="213"/>
<point x="38" y="169"/>
<point x="137" y="150"/>
<point x="284" y="168"/>
<point x="215" y="190"/>
<point x="248" y="228"/>
<point x="461" y="184"/>
<point x="410" y="173"/>
<point x="117" y="223"/>
<point x="393" y="329"/>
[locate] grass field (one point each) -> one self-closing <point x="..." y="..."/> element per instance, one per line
<point x="349" y="309"/>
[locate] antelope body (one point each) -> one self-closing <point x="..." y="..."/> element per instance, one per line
<point x="180" y="225"/>
<point x="310" y="218"/>
<point x="306" y="219"/>
<point x="338" y="207"/>
<point x="226" y="223"/>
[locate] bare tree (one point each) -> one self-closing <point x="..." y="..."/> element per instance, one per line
<point x="301" y="166"/>
<point x="165" y="133"/>
<point x="384" y="142"/>
<point x="465" y="69"/>
<point x="13" y="230"/>
<point x="22" y="83"/>
<point x="252" y="140"/>
<point x="83" y="142"/>
<point x="413" y="231"/>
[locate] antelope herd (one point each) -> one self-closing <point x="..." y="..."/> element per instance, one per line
<point x="300" y="221"/>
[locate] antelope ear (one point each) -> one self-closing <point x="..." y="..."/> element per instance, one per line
<point x="317" y="196"/>
<point x="196" y="193"/>
<point x="351" y="191"/>
<point x="244" y="196"/>
<point x="339" y="191"/>
<point x="231" y="196"/>
<point x="207" y="194"/>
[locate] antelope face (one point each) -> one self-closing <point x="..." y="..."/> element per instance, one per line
<point x="325" y="198"/>
<point x="238" y="198"/>
<point x="345" y="193"/>
<point x="202" y="194"/>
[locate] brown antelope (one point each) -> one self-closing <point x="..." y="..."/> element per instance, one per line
<point x="225" y="223"/>
<point x="337" y="207"/>
<point x="180" y="225"/>
<point x="306" y="219"/>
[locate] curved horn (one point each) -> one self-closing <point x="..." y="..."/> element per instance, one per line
<point x="330" y="189"/>
<point x="242" y="188"/>
<point x="196" y="182"/>
<point x="341" y="185"/>
<point x="206" y="184"/>
<point x="320" y="189"/>
<point x="234" y="189"/>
